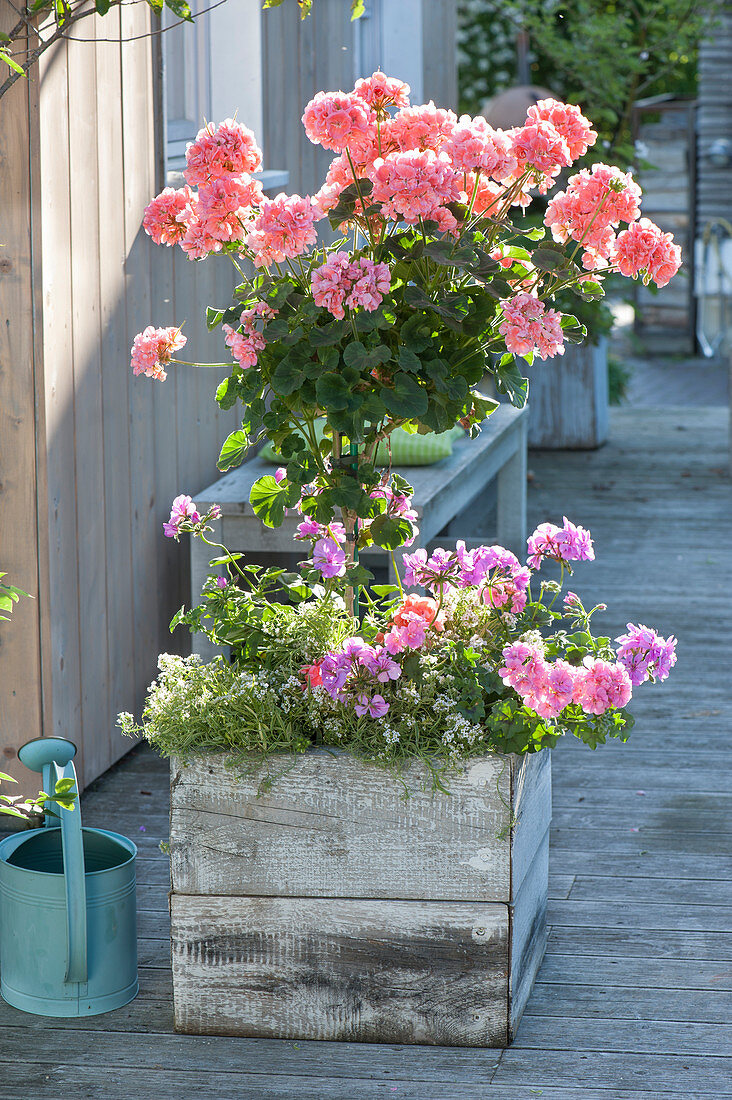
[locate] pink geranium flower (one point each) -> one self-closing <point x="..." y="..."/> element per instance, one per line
<point x="338" y="120"/>
<point x="183" y="511"/>
<point x="381" y="91"/>
<point x="414" y="184"/>
<point x="423" y="127"/>
<point x="473" y="144"/>
<point x="152" y="350"/>
<point x="645" y="654"/>
<point x="167" y="216"/>
<point x="563" y="544"/>
<point x="539" y="146"/>
<point x="223" y="150"/>
<point x="568" y="121"/>
<point x="529" y="327"/>
<point x="226" y="207"/>
<point x="283" y="228"/>
<point x="643" y="249"/>
<point x="341" y="282"/>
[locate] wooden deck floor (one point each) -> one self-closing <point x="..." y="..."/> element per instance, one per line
<point x="633" y="999"/>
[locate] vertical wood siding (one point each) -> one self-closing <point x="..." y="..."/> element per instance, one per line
<point x="20" y="670"/>
<point x="714" y="120"/>
<point x="114" y="450"/>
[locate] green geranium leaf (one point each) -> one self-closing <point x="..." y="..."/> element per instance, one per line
<point x="327" y="335"/>
<point x="389" y="532"/>
<point x="407" y="399"/>
<point x="269" y="499"/>
<point x="414" y="296"/>
<point x="408" y="361"/>
<point x="226" y="393"/>
<point x="547" y="259"/>
<point x="233" y="451"/>
<point x="332" y="392"/>
<point x="214" y="316"/>
<point x="287" y="377"/>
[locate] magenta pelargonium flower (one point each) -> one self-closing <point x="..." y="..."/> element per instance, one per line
<point x="328" y="558"/>
<point x="153" y="349"/>
<point x="183" y="511"/>
<point x="375" y="707"/>
<point x="645" y="654"/>
<point x="381" y="91"/>
<point x="563" y="544"/>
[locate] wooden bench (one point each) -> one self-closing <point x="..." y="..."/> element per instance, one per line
<point x="441" y="492"/>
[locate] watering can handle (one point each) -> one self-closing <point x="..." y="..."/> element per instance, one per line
<point x="74" y="880"/>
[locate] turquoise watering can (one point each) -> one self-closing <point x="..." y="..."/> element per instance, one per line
<point x="68" y="914"/>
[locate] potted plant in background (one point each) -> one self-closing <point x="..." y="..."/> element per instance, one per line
<point x="309" y="899"/>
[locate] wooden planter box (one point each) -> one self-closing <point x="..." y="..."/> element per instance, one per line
<point x="332" y="908"/>
<point x="568" y="399"/>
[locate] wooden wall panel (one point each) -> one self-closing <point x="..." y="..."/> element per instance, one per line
<point x="138" y="168"/>
<point x="115" y="382"/>
<point x="87" y="389"/>
<point x="62" y="608"/>
<point x="20" y="670"/>
<point x="439" y="37"/>
<point x="96" y="454"/>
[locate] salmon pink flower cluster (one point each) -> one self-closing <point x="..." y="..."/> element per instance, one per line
<point x="218" y="152"/>
<point x="166" y="217"/>
<point x="561" y="544"/>
<point x="592" y="207"/>
<point x="473" y="144"/>
<point x="529" y="328"/>
<point x="645" y="654"/>
<point x="643" y="249"/>
<point x="283" y="228"/>
<point x="341" y="282"/>
<point x="416" y="184"/>
<point x="416" y="619"/>
<point x="568" y="121"/>
<point x="246" y="344"/>
<point x="338" y="120"/>
<point x="153" y="349"/>
<point x="381" y="91"/>
<point x="548" y="687"/>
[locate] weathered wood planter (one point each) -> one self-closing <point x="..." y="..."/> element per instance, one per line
<point x="568" y="399"/>
<point x="331" y="908"/>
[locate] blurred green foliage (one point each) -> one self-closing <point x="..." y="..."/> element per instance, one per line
<point x="603" y="56"/>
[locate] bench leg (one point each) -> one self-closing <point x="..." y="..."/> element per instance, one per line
<point x="512" y="499"/>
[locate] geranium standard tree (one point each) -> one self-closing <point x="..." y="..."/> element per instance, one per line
<point x="437" y="283"/>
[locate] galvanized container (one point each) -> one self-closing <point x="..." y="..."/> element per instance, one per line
<point x="68" y="922"/>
